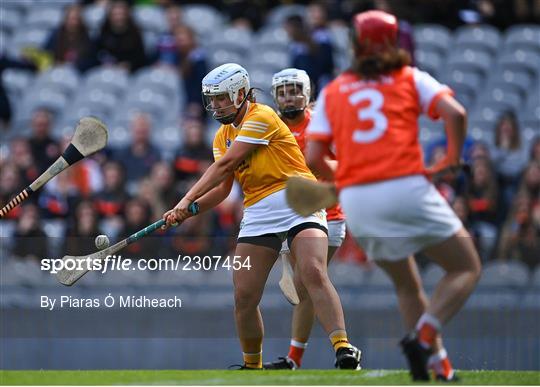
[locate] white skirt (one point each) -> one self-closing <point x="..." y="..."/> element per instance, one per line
<point x="336" y="235"/>
<point x="396" y="218"/>
<point x="273" y="215"/>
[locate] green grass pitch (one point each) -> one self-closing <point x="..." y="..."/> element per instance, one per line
<point x="219" y="377"/>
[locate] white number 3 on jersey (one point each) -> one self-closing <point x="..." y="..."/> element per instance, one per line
<point x="371" y="112"/>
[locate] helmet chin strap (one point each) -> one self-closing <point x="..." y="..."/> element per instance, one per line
<point x="293" y="113"/>
<point x="230" y="118"/>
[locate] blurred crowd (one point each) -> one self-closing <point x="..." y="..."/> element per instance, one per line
<point x="119" y="191"/>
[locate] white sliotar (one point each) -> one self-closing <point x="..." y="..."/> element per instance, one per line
<point x="102" y="242"/>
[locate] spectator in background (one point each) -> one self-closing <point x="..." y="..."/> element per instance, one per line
<point x="120" y="41"/>
<point x="82" y="231"/>
<point x="166" y="46"/>
<point x="10" y="186"/>
<point x="195" y="155"/>
<point x="59" y="196"/>
<point x="535" y="150"/>
<point x="137" y="216"/>
<point x="44" y="149"/>
<point x="509" y="155"/>
<point x="483" y="198"/>
<point x="463" y="211"/>
<point x="158" y="189"/>
<point x="30" y="239"/>
<point x="111" y="199"/>
<point x="191" y="62"/>
<point x="70" y="42"/>
<point x="138" y="157"/>
<point x="20" y="154"/>
<point x="312" y="53"/>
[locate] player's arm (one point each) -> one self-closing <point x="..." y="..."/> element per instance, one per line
<point x="455" y="119"/>
<point x="218" y="172"/>
<point x="318" y="159"/>
<point x="216" y="195"/>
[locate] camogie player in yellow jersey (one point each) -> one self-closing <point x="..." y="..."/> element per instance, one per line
<point x="257" y="149"/>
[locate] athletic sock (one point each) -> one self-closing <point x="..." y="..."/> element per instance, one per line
<point x="253" y="360"/>
<point x="441" y="365"/>
<point x="427" y="327"/>
<point x="296" y="351"/>
<point x="339" y="339"/>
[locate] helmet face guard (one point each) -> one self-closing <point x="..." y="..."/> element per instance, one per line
<point x="222" y="85"/>
<point x="291" y="90"/>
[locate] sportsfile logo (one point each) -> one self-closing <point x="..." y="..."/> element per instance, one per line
<point x="117" y="263"/>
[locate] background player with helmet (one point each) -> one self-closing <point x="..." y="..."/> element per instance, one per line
<point x="291" y="90"/>
<point x="370" y="114"/>
<point x="255" y="147"/>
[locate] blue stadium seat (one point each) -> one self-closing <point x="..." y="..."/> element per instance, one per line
<point x="169" y="138"/>
<point x="271" y="38"/>
<point x="430" y="130"/>
<point x="16" y="80"/>
<point x="279" y="14"/>
<point x="432" y="36"/>
<point x="114" y="79"/>
<point x="221" y="55"/>
<point x="43" y="17"/>
<point x="505" y="96"/>
<point x="48" y="98"/>
<point x="484" y="37"/>
<point x="510" y="273"/>
<point x="10" y="19"/>
<point x="150" y="42"/>
<point x="232" y="38"/>
<point x="519" y="59"/>
<point x="274" y="59"/>
<point x="535" y="279"/>
<point x="483" y="131"/>
<point x="94" y="16"/>
<point x="21" y="6"/>
<point x="204" y="19"/>
<point x="523" y="36"/>
<point x="162" y="79"/>
<point x="488" y="113"/>
<point x="471" y="79"/>
<point x="468" y="60"/>
<point x="429" y="60"/>
<point x="521" y="79"/>
<point x="150" y="18"/>
<point x="26" y="38"/>
<point x="64" y="78"/>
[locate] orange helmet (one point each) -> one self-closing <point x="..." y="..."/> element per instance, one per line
<point x="374" y="31"/>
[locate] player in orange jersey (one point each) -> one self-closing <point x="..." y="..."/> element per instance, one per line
<point x="254" y="146"/>
<point x="291" y="89"/>
<point x="369" y="113"/>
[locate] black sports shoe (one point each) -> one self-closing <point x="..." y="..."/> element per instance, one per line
<point x="453" y="379"/>
<point x="242" y="367"/>
<point x="417" y="356"/>
<point x="282" y="363"/>
<point x="348" y="358"/>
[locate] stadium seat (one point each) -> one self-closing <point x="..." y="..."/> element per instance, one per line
<point x="64" y="78"/>
<point x="169" y="138"/>
<point x="483" y="37"/>
<point x="472" y="80"/>
<point x="119" y="135"/>
<point x="535" y="279"/>
<point x="429" y="60"/>
<point x="279" y="14"/>
<point x="430" y="130"/>
<point x="232" y="38"/>
<point x="432" y="274"/>
<point x="48" y="98"/>
<point x="432" y="36"/>
<point x="468" y="60"/>
<point x="10" y="19"/>
<point x="340" y="37"/>
<point x="521" y="79"/>
<point x="114" y="79"/>
<point x="346" y="274"/>
<point x="508" y="273"/>
<point x="204" y="19"/>
<point x="519" y="59"/>
<point x="523" y="36"/>
<point x="16" y="80"/>
<point x="275" y="38"/>
<point x="96" y="101"/>
<point x="504" y="96"/>
<point x="44" y="17"/>
<point x="26" y="38"/>
<point x="161" y="79"/>
<point x="483" y="131"/>
<point x="94" y="16"/>
<point x="488" y="113"/>
<point x="21" y="6"/>
<point x="150" y="18"/>
<point x="223" y="55"/>
<point x="150" y="42"/>
<point x="277" y="60"/>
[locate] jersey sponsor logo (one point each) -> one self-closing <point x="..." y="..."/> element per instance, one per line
<point x="228" y="143"/>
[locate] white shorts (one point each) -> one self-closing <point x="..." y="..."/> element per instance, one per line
<point x="272" y="215"/>
<point x="336" y="235"/>
<point x="396" y="218"/>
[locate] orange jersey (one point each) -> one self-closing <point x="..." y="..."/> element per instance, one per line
<point x="299" y="133"/>
<point x="374" y="124"/>
<point x="267" y="169"/>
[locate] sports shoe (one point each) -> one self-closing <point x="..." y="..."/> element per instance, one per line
<point x="417" y="356"/>
<point x="441" y="378"/>
<point x="282" y="363"/>
<point x="348" y="358"/>
<point x="242" y="367"/>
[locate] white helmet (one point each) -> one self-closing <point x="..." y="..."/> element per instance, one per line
<point x="295" y="77"/>
<point x="227" y="78"/>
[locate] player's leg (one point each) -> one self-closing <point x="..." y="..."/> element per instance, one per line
<point x="309" y="245"/>
<point x="248" y="289"/>
<point x="413" y="303"/>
